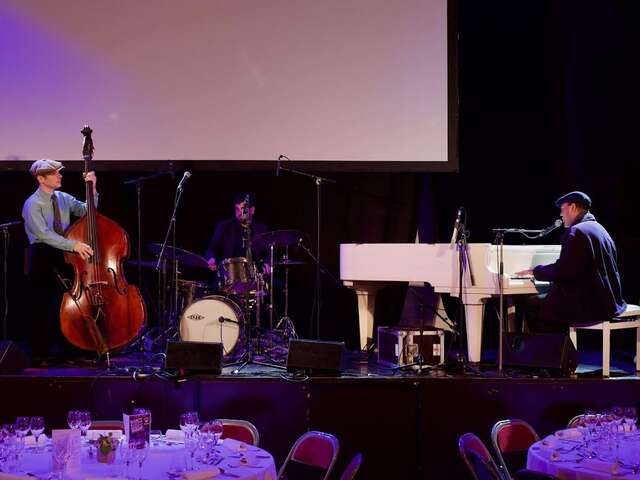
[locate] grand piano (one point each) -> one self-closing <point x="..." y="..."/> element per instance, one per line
<point x="367" y="267"/>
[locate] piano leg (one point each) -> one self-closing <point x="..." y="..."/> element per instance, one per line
<point x="366" y="310"/>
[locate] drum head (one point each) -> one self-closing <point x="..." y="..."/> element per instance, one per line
<point x="213" y="319"/>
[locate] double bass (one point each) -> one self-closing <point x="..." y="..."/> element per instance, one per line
<point x="101" y="311"/>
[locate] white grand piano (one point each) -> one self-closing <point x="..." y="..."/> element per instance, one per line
<point x="367" y="267"/>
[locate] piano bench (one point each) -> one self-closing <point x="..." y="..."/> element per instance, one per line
<point x="630" y="318"/>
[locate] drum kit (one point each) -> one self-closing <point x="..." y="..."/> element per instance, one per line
<point x="232" y="315"/>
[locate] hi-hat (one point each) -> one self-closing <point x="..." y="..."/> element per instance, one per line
<point x="184" y="257"/>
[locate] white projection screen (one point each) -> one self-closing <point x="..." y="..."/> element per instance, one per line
<point x="351" y="84"/>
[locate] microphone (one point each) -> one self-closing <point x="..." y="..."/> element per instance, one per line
<point x="245" y="207"/>
<point x="551" y="228"/>
<point x="278" y="165"/>
<point x="184" y="179"/>
<point x="456" y="226"/>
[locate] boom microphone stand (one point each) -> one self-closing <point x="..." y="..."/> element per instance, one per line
<point x="318" y="181"/>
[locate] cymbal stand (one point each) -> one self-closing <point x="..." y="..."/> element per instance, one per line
<point x="289" y="327"/>
<point x="4" y="228"/>
<point x="248" y="357"/>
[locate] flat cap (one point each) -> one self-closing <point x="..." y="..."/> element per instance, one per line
<point x="44" y="166"/>
<point x="575" y="197"/>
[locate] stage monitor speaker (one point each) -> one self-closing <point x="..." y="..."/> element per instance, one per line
<point x="194" y="357"/>
<point x="315" y="356"/>
<point x="12" y="359"/>
<point x="544" y="351"/>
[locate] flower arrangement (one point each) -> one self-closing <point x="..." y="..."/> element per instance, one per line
<point x="106" y="446"/>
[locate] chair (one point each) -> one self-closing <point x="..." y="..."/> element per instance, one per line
<point x="511" y="440"/>
<point x="315" y="449"/>
<point x="351" y="470"/>
<point x="107" y="425"/>
<point x="574" y="421"/>
<point x="477" y="458"/>
<point x="240" y="430"/>
<point x="630" y="318"/>
<point x="525" y="474"/>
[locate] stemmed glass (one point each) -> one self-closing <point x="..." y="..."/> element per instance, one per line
<point x="191" y="442"/>
<point x="37" y="427"/>
<point x="189" y="422"/>
<point x="84" y="423"/>
<point x="61" y="456"/>
<point x="217" y="427"/>
<point x="73" y="419"/>
<point x="630" y="417"/>
<point x="139" y="454"/>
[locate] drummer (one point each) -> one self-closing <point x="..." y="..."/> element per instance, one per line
<point x="229" y="235"/>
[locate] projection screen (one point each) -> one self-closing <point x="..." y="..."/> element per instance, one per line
<point x="351" y="84"/>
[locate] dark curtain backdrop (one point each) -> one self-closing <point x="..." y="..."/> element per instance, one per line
<point x="548" y="103"/>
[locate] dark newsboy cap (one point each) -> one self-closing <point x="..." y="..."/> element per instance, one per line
<point x="575" y="197"/>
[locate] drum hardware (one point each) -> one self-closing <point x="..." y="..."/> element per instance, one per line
<point x="248" y="357"/>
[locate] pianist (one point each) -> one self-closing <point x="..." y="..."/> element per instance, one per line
<point x="585" y="285"/>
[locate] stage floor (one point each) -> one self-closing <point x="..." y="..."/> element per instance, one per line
<point x="406" y="425"/>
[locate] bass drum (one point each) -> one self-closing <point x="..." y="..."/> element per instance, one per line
<point x="213" y="319"/>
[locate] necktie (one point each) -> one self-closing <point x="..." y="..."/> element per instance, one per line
<point x="57" y="221"/>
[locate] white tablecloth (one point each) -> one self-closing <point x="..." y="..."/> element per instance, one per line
<point x="561" y="457"/>
<point x="163" y="457"/>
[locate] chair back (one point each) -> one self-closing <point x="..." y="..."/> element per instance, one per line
<point x="241" y="430"/>
<point x="477" y="458"/>
<point x="573" y="423"/>
<point x="511" y="440"/>
<point x="351" y="470"/>
<point x="316" y="449"/>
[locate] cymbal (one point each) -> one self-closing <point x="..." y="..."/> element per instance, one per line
<point x="288" y="263"/>
<point x="142" y="263"/>
<point x="279" y="238"/>
<point x="184" y="257"/>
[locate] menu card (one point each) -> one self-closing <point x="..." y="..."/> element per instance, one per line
<point x="68" y="440"/>
<point x="137" y="429"/>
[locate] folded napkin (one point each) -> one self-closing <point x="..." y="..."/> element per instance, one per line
<point x="569" y="433"/>
<point x="175" y="435"/>
<point x="30" y="440"/>
<point x="94" y="434"/>
<point x="601" y="466"/>
<point x="551" y="442"/>
<point x="200" y="474"/>
<point x="234" y="445"/>
<point x="244" y="461"/>
<point x="11" y="476"/>
<point x="103" y="478"/>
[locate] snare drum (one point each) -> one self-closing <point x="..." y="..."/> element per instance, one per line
<point x="213" y="319"/>
<point x="238" y="276"/>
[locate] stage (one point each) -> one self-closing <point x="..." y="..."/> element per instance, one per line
<point x="406" y="425"/>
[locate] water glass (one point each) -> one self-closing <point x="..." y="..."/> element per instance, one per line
<point x="139" y="454"/>
<point x="630" y="418"/>
<point x="191" y="442"/>
<point x="61" y="456"/>
<point x="73" y="419"/>
<point x="84" y="423"/>
<point x="37" y="427"/>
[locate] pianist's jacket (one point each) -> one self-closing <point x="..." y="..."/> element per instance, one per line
<point x="586" y="283"/>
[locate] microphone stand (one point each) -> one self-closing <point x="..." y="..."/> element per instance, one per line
<point x="138" y="184"/>
<point x="318" y="181"/>
<point x="160" y="264"/>
<point x="5" y="270"/>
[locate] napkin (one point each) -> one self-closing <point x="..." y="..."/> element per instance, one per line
<point x="10" y="476"/>
<point x="568" y="433"/>
<point x="601" y="466"/>
<point x="175" y="435"/>
<point x="201" y="474"/>
<point x="234" y="445"/>
<point x="94" y="434"/>
<point x="244" y="461"/>
<point x="30" y="440"/>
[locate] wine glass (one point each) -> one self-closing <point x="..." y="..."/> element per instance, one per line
<point x="191" y="442"/>
<point x="630" y="415"/>
<point x="140" y="455"/>
<point x="37" y="427"/>
<point x="73" y="420"/>
<point x="84" y="423"/>
<point x="61" y="455"/>
<point x="217" y="428"/>
<point x="23" y="424"/>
